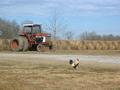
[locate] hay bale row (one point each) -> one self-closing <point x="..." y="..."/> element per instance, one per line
<point x="74" y="45"/>
<point x="87" y="45"/>
<point x="4" y="44"/>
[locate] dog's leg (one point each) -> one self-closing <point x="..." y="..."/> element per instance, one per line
<point x="75" y="67"/>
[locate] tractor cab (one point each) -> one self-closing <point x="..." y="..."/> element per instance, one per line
<point x="32" y="28"/>
<point x="34" y="34"/>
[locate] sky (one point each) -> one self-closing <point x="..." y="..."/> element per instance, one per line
<point x="100" y="16"/>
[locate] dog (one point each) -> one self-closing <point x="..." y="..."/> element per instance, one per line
<point x="74" y="63"/>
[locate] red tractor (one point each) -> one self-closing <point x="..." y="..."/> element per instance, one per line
<point x="31" y="37"/>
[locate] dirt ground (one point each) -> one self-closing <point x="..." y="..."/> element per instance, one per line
<point x="36" y="71"/>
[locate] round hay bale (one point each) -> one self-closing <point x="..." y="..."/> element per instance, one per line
<point x="1" y="43"/>
<point x="67" y="45"/>
<point x="94" y="44"/>
<point x="79" y="45"/>
<point x="112" y="46"/>
<point x="4" y="44"/>
<point x="104" y="45"/>
<point x="55" y="44"/>
<point x="64" y="45"/>
<point x="98" y="45"/>
<point x="84" y="45"/>
<point x="74" y="44"/>
<point x="90" y="45"/>
<point x="109" y="44"/>
<point x="116" y="44"/>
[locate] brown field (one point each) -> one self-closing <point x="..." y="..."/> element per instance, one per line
<point x="28" y="73"/>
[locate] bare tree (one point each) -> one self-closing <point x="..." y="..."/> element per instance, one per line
<point x="69" y="35"/>
<point x="56" y="25"/>
<point x="94" y="36"/>
<point x="8" y="29"/>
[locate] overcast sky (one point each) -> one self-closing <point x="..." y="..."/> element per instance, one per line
<point x="101" y="16"/>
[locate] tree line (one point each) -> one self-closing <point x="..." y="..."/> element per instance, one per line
<point x="10" y="29"/>
<point x="95" y="36"/>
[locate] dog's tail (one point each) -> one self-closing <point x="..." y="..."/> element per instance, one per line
<point x="70" y="61"/>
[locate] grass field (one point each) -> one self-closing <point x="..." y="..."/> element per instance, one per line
<point x="57" y="75"/>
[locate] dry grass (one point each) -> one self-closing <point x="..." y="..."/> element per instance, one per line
<point x="16" y="75"/>
<point x="87" y="45"/>
<point x="74" y="45"/>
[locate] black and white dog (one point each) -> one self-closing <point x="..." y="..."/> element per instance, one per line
<point x="74" y="63"/>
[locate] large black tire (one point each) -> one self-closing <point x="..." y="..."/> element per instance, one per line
<point x="19" y="44"/>
<point x="42" y="48"/>
<point x="39" y="47"/>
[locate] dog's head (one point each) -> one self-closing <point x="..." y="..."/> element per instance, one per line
<point x="70" y="61"/>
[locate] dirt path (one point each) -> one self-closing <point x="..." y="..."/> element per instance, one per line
<point x="38" y="57"/>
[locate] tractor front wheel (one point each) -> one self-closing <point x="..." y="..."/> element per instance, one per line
<point x="42" y="48"/>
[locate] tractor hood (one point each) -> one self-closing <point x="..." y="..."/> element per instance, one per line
<point x="42" y="34"/>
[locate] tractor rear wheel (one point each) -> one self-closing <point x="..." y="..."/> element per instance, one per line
<point x="25" y="44"/>
<point x="19" y="44"/>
